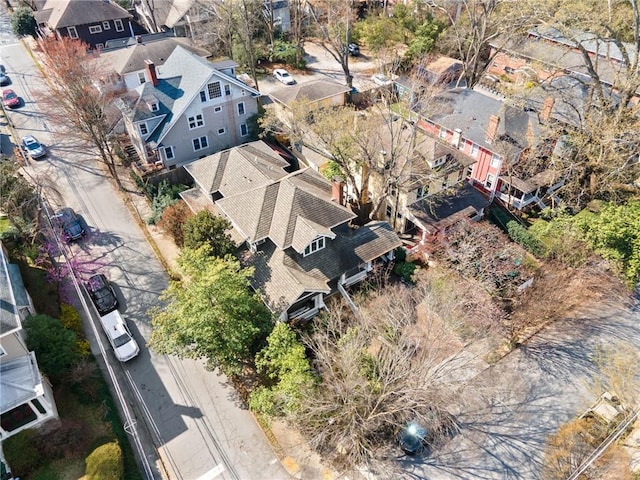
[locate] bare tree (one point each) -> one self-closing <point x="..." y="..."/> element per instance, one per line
<point x="75" y="102"/>
<point x="333" y="20"/>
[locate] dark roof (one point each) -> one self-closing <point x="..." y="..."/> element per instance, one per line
<point x="282" y="276"/>
<point x="66" y="13"/>
<point x="447" y="207"/>
<point x="312" y="91"/>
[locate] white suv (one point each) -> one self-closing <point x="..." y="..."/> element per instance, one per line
<point x="123" y="343"/>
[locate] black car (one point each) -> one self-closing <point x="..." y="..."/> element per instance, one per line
<point x="4" y="80"/>
<point x="354" y="49"/>
<point x="412" y="438"/>
<point x="102" y="294"/>
<point x="69" y="222"/>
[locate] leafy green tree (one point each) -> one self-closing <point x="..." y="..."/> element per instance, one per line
<point x="55" y="346"/>
<point x="212" y="314"/>
<point x="105" y="463"/>
<point x="285" y="362"/>
<point x="614" y="233"/>
<point x="424" y="39"/>
<point x="207" y="228"/>
<point x="23" y="23"/>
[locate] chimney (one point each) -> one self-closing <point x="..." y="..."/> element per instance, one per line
<point x="151" y="71"/>
<point x="547" y="108"/>
<point x="457" y="135"/>
<point x="492" y="128"/>
<point x="337" y="190"/>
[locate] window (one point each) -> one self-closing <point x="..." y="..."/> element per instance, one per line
<point x="474" y="150"/>
<point x="495" y="161"/>
<point x="214" y="90"/>
<point x="143" y="129"/>
<point x="99" y="46"/>
<point x="155" y="106"/>
<point x="508" y="70"/>
<point x="227" y="89"/>
<point x="443" y="133"/>
<point x="422" y="191"/>
<point x="195" y="121"/>
<point x="244" y="131"/>
<point x="119" y="26"/>
<point x="95" y="29"/>
<point x="317" y="244"/>
<point x="217" y="109"/>
<point x="106" y="26"/>
<point x="221" y="131"/>
<point x="241" y="108"/>
<point x="73" y="33"/>
<point x="389" y="211"/>
<point x="141" y="78"/>
<point x="169" y="153"/>
<point x="200" y="143"/>
<point x="489" y="181"/>
<point x="203" y="96"/>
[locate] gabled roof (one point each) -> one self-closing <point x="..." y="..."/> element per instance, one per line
<point x="67" y="13"/>
<point x="282" y="276"/>
<point x="470" y="111"/>
<point x="312" y="91"/>
<point x="169" y="12"/>
<point x="238" y="169"/>
<point x="132" y="56"/>
<point x="276" y="211"/>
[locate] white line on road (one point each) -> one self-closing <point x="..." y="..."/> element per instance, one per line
<point x="213" y="473"/>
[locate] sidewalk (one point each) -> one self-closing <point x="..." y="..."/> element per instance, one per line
<point x="294" y="454"/>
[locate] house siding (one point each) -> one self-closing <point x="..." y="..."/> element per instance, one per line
<point x="95" y="38"/>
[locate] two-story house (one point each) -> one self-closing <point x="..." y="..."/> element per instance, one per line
<point x="26" y="399"/>
<point x="189" y="108"/>
<point x="92" y="21"/>
<point x="497" y="135"/>
<point x="125" y="62"/>
<point x="295" y="226"/>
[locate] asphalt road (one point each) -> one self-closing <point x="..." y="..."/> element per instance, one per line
<point x="191" y="423"/>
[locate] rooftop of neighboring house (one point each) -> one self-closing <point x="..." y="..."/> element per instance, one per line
<point x="238" y="169"/>
<point x="10" y="287"/>
<point x="310" y="92"/>
<point x="447" y="207"/>
<point x="130" y="55"/>
<point x="179" y="81"/>
<point x="471" y="112"/>
<point x="282" y="276"/>
<point x="68" y="13"/>
<point x="168" y="13"/>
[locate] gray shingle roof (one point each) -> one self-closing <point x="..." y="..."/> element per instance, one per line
<point x="131" y="58"/>
<point x="66" y="13"/>
<point x="273" y="210"/>
<point x="282" y="276"/>
<point x="238" y="169"/>
<point x="312" y="91"/>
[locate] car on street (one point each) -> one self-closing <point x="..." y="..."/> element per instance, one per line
<point x="124" y="345"/>
<point x="102" y="294"/>
<point x="67" y="220"/>
<point x="283" y="76"/>
<point x="33" y="147"/>
<point x="354" y="49"/>
<point x="412" y="438"/>
<point x="4" y="79"/>
<point x="382" y="80"/>
<point x="10" y="98"/>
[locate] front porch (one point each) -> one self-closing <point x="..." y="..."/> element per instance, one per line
<point x="523" y="193"/>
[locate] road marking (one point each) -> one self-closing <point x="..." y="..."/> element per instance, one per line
<point x="213" y="473"/>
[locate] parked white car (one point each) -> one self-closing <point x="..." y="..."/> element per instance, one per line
<point x="120" y="338"/>
<point x="282" y="75"/>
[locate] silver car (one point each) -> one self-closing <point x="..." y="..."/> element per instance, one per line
<point x="34" y="148"/>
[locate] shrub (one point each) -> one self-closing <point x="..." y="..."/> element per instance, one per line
<point x="55" y="346"/>
<point x="162" y="196"/>
<point x="105" y="463"/>
<point x="521" y="235"/>
<point x="206" y="228"/>
<point x="22" y="453"/>
<point x="70" y="319"/>
<point x="405" y="270"/>
<point x="173" y="219"/>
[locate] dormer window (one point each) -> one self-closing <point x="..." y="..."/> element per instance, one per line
<point x="143" y="129"/>
<point x="317" y="244"/>
<point x="437" y="162"/>
<point x="154" y="107"/>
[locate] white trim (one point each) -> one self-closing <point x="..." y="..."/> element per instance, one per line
<point x="217" y="109"/>
<point x="246" y="130"/>
<point x="316" y="244"/>
<point x="244" y="109"/>
<point x="169" y="149"/>
<point x="73" y="33"/>
<point x="119" y="25"/>
<point x="93" y="29"/>
<point x="222" y="131"/>
<point x="106" y="25"/>
<point x="200" y="143"/>
<point x="144" y="126"/>
<point x="195" y="121"/>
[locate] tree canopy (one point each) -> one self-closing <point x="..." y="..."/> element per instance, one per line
<point x="23" y="23"/>
<point x="55" y="346"/>
<point x="211" y="314"/>
<point x="207" y="228"/>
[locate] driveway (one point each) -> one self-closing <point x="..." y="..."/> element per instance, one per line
<point x="511" y="408"/>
